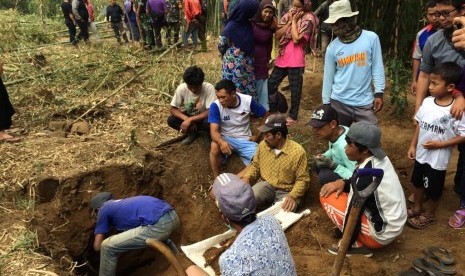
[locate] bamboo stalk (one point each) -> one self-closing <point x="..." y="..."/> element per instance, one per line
<point x="117" y="90"/>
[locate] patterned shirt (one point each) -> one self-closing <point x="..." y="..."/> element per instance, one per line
<point x="285" y="171"/>
<point x="260" y="249"/>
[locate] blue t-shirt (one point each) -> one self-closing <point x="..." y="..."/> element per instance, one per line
<point x="260" y="249"/>
<point x="129" y="213"/>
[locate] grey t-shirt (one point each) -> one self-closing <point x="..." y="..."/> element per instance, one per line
<point x="438" y="50"/>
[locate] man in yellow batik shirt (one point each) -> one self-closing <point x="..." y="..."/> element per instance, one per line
<point x="281" y="166"/>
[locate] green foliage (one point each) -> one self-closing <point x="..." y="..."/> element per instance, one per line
<point x="25" y="203"/>
<point x="400" y="77"/>
<point x="26" y="241"/>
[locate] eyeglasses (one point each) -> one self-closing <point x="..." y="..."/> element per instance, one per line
<point x="443" y="13"/>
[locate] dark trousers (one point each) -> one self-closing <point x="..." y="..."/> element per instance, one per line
<point x="172" y="27"/>
<point x="158" y="21"/>
<point x="202" y="27"/>
<point x="71" y="31"/>
<point x="459" y="179"/>
<point x="325" y="175"/>
<point x="296" y="79"/>
<point x="83" y="30"/>
<point x="175" y="122"/>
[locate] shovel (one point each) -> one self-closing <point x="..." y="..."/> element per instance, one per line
<point x="359" y="198"/>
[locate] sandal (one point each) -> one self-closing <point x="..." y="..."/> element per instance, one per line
<point x="421" y="221"/>
<point x="458" y="219"/>
<point x="433" y="267"/>
<point x="441" y="254"/>
<point x="411" y="212"/>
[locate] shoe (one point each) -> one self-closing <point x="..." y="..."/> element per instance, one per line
<point x="365" y="251"/>
<point x="190" y="138"/>
<point x="290" y="121"/>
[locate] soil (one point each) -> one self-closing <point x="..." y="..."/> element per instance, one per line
<point x="181" y="175"/>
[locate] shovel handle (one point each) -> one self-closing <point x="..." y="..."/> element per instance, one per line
<point x="361" y="196"/>
<point x="162" y="248"/>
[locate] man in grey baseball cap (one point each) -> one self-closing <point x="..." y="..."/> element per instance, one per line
<point x="257" y="239"/>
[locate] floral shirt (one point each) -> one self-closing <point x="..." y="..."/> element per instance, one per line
<point x="237" y="67"/>
<point x="260" y="249"/>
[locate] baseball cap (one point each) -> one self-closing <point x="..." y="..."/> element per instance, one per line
<point x="323" y="115"/>
<point x="339" y="9"/>
<point x="368" y="135"/>
<point x="272" y="121"/>
<point x="235" y="197"/>
<point x="97" y="200"/>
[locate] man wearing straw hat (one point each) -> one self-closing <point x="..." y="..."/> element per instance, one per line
<point x="353" y="63"/>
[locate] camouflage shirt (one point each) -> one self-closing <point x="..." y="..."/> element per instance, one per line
<point x="172" y="14"/>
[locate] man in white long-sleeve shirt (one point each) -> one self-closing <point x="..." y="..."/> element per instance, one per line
<point x="353" y="63"/>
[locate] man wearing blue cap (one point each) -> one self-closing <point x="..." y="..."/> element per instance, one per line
<point x="260" y="246"/>
<point x="136" y="219"/>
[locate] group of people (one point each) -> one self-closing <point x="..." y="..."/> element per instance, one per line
<point x="437" y="82"/>
<point x="143" y="19"/>
<point x="276" y="168"/>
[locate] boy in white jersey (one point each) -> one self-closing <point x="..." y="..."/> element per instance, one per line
<point x="431" y="147"/>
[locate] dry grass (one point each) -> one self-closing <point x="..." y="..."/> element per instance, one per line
<point x="71" y="82"/>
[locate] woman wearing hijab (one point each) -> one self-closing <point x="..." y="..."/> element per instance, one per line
<point x="237" y="48"/>
<point x="264" y="25"/>
<point x="295" y="30"/>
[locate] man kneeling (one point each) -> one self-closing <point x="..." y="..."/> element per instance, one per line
<point x="384" y="213"/>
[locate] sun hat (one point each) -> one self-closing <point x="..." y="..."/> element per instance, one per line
<point x="99" y="199"/>
<point x="235" y="197"/>
<point x="368" y="135"/>
<point x="323" y="115"/>
<point x="339" y="9"/>
<point x="274" y="120"/>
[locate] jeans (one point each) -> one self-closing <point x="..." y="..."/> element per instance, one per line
<point x="192" y="32"/>
<point x="262" y="93"/>
<point x="134" y="239"/>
